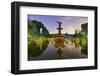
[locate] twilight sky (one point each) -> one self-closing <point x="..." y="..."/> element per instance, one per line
<point x="69" y="23"/>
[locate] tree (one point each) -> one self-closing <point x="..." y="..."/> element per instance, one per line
<point x="34" y="27"/>
<point x="84" y="28"/>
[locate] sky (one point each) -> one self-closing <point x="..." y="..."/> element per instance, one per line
<point x="69" y="23"/>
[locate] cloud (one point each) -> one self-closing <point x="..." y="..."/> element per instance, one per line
<point x="70" y="23"/>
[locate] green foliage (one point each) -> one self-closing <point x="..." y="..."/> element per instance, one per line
<point x="83" y="32"/>
<point x="66" y="40"/>
<point x="76" y="33"/>
<point x="84" y="27"/>
<point x="36" y="46"/>
<point x="40" y="41"/>
<point x="36" y="42"/>
<point x="34" y="28"/>
<point x="84" y="43"/>
<point x="81" y="41"/>
<point x="77" y="40"/>
<point x="51" y="40"/>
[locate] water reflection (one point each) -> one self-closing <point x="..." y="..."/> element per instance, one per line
<point x="84" y="51"/>
<point x="59" y="53"/>
<point x="35" y="50"/>
<point x="47" y="51"/>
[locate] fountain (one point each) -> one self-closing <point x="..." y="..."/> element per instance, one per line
<point x="59" y="38"/>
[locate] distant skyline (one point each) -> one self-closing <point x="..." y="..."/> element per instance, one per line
<point x="69" y="23"/>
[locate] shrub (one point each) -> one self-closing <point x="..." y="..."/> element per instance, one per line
<point x="84" y="43"/>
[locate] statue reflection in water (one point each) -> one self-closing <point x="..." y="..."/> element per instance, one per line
<point x="59" y="53"/>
